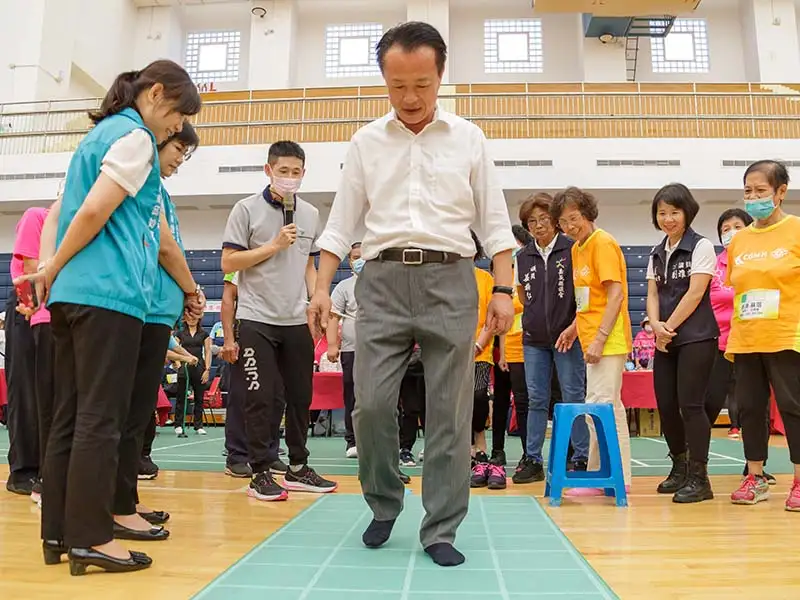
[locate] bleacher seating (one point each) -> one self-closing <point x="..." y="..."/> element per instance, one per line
<point x="205" y="266"/>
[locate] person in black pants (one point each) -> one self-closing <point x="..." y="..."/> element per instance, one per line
<point x="411" y="408"/>
<point x="679" y="308"/>
<point x="195" y="340"/>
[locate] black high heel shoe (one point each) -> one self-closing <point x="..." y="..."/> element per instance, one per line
<point x="53" y="550"/>
<point x="154" y="534"/>
<point x="82" y="558"/>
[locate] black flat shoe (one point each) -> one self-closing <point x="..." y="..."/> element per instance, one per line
<point x="82" y="558"/>
<point x="154" y="534"/>
<point x="53" y="550"/>
<point x="156" y="517"/>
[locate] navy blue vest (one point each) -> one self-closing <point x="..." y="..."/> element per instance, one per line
<point x="701" y="324"/>
<point x="548" y="294"/>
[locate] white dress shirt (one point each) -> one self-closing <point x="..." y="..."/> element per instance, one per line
<point x="418" y="191"/>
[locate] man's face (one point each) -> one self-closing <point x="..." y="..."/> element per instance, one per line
<point x="171" y="157"/>
<point x="355" y="254"/>
<point x="413" y="81"/>
<point x="286" y="167"/>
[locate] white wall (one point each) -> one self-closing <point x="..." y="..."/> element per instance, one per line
<point x="104" y="38"/>
<point x="159" y="33"/>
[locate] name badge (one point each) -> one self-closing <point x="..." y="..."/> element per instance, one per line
<point x="758" y="304"/>
<point x="517" y="326"/>
<point x="582" y="298"/>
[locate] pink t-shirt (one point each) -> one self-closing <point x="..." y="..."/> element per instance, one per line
<point x="26" y="245"/>
<point x="722" y="299"/>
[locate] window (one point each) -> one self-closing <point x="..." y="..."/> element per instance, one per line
<point x="513" y="46"/>
<point x="684" y="50"/>
<point x="350" y="49"/>
<point x="213" y="56"/>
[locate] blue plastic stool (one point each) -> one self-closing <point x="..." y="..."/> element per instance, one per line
<point x="609" y="477"/>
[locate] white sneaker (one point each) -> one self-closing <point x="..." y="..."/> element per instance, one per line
<point x="179" y="431"/>
<point x="200" y="431"/>
<point x="421" y="455"/>
<point x="351" y="452"/>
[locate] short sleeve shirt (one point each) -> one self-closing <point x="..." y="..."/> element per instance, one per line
<point x="344" y="304"/>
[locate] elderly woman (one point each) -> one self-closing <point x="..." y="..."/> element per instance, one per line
<point x="602" y="324"/>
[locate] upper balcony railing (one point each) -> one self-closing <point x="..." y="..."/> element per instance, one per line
<point x="503" y="111"/>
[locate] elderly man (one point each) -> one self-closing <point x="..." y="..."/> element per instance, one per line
<point x="415" y="181"/>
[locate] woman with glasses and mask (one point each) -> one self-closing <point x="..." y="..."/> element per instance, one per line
<point x="764" y="343"/>
<point x="545" y="286"/>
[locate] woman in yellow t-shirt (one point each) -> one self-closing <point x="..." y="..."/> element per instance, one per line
<point x="764" y="341"/>
<point x="602" y="320"/>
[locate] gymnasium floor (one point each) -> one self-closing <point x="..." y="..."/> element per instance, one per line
<point x="225" y="545"/>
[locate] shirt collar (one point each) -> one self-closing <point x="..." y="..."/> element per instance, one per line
<point x="439" y="116"/>
<point x="270" y="200"/>
<point x="549" y="247"/>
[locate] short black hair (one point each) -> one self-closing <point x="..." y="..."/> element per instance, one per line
<point x="521" y="234"/>
<point x="410" y="36"/>
<point x="285" y="148"/>
<point x="732" y="213"/>
<point x="187" y="136"/>
<point x="776" y="172"/>
<point x="679" y="196"/>
<point x="355" y="246"/>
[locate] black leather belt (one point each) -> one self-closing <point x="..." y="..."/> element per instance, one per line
<point x="416" y="256"/>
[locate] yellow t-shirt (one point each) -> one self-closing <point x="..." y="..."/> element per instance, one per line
<point x="764" y="271"/>
<point x="485" y="284"/>
<point x="597" y="260"/>
<point x="514" y="336"/>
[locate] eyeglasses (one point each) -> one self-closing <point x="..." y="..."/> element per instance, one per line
<point x="544" y="221"/>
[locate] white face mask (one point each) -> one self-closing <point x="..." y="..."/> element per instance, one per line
<point x="728" y="236"/>
<point x="286" y="185"/>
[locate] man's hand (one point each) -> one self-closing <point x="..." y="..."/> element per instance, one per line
<point x="333" y="354"/>
<point x="319" y="313"/>
<point x="195" y="304"/>
<point x="286" y="237"/>
<point x="230" y="352"/>
<point x="500" y="315"/>
<point x="567" y="339"/>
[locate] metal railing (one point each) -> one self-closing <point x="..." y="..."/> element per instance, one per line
<point x="510" y="111"/>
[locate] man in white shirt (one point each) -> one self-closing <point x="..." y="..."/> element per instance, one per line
<point x="415" y="181"/>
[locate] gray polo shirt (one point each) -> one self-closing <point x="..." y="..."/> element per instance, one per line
<point x="344" y="304"/>
<point x="274" y="291"/>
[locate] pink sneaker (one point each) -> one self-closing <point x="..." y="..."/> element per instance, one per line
<point x="480" y="475"/>
<point x="754" y="490"/>
<point x="793" y="501"/>
<point x="497" y="477"/>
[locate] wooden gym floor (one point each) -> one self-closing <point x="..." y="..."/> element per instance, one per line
<point x="654" y="549"/>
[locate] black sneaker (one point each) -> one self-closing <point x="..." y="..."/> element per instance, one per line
<point x="530" y="472"/>
<point x="278" y="467"/>
<point x="263" y="487"/>
<point x="307" y="480"/>
<point x="498" y="458"/>
<point x="579" y="464"/>
<point x="240" y="470"/>
<point x="148" y="470"/>
<point x="405" y="478"/>
<point x="407" y="459"/>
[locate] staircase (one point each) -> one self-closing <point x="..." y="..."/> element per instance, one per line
<point x="631" y="57"/>
<point x="641" y="27"/>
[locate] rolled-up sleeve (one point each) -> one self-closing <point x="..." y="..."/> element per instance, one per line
<point x="348" y="208"/>
<point x="492" y="223"/>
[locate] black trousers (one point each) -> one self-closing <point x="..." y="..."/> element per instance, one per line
<point x="235" y="433"/>
<point x="21" y="414"/>
<point x="348" y="359"/>
<point x="506" y="382"/>
<point x="45" y="386"/>
<point x="412" y="405"/>
<point x="150" y="433"/>
<point x="144" y="398"/>
<point x="276" y="359"/>
<point x="754" y="375"/>
<point x="680" y="379"/>
<point x="96" y="353"/>
<point x="480" y="410"/>
<point x="192" y="376"/>
<point x="720" y="388"/>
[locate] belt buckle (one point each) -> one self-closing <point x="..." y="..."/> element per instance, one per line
<point x="412" y="252"/>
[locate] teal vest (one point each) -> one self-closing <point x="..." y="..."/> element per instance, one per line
<point x="167" y="302"/>
<point x="117" y="269"/>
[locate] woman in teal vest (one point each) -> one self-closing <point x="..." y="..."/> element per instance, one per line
<point x="110" y="239"/>
<point x="131" y="521"/>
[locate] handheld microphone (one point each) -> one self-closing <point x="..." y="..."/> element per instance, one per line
<point x="288" y="209"/>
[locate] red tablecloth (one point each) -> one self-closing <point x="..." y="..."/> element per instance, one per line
<point x="637" y="389"/>
<point x="328" y="391"/>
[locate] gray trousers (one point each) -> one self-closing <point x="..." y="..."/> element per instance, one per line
<point x="436" y="306"/>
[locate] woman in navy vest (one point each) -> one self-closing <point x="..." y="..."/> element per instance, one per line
<point x="110" y="239"/>
<point x="679" y="308"/>
<point x="544" y="277"/>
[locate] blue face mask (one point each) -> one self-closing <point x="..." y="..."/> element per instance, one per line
<point x="358" y="265"/>
<point x="760" y="208"/>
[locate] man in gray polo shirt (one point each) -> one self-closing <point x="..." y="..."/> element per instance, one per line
<point x="345" y="309"/>
<point x="272" y="254"/>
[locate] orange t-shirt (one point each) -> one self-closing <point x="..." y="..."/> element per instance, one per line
<point x="597" y="260"/>
<point x="485" y="284"/>
<point x="764" y="271"/>
<point x="514" y="336"/>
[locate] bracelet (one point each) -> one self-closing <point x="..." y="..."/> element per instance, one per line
<point x="602" y="331"/>
<point x="478" y="347"/>
<point x="197" y="291"/>
<point x="42" y="266"/>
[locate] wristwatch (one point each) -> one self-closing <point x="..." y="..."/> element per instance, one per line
<point x="502" y="289"/>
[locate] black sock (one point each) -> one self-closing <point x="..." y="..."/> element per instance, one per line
<point x="377" y="534"/>
<point x="444" y="554"/>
